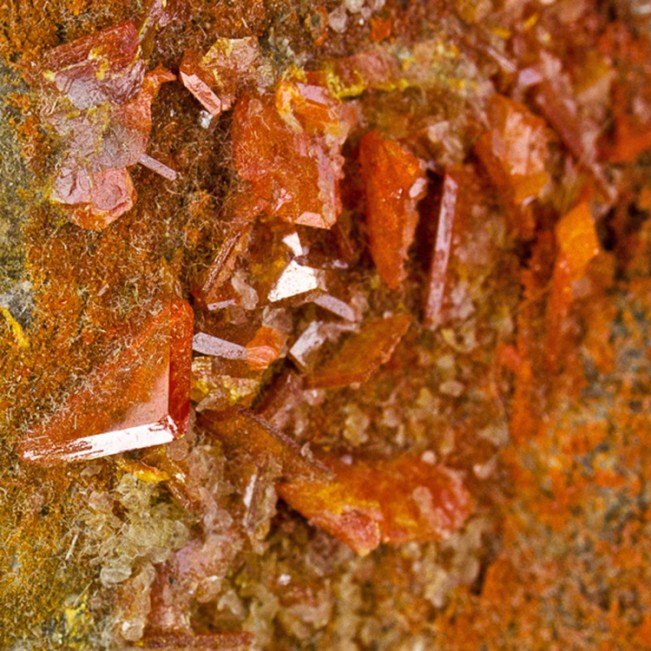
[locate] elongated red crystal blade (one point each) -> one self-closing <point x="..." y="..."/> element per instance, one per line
<point x="441" y="257"/>
<point x="136" y="399"/>
<point x="394" y="182"/>
<point x="373" y="501"/>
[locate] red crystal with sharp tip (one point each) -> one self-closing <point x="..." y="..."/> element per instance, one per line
<point x="136" y="399"/>
<point x="394" y="181"/>
<point x="392" y="501"/>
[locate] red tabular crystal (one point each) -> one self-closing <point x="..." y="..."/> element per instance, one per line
<point x="392" y="501"/>
<point x="216" y="78"/>
<point x="136" y="399"/>
<point x="289" y="148"/>
<point x="101" y="67"/>
<point x="97" y="99"/>
<point x="394" y="181"/>
<point x="439" y="265"/>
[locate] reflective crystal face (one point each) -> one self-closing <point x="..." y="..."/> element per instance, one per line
<point x="138" y="398"/>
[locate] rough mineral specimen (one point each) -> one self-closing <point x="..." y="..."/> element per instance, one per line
<point x="138" y="398"/>
<point x="470" y="389"/>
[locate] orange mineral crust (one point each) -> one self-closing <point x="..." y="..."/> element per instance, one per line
<point x="325" y="325"/>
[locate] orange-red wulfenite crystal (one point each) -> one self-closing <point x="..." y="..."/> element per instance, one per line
<point x="101" y="67"/>
<point x="240" y="430"/>
<point x="392" y="501"/>
<point x="577" y="239"/>
<point x="394" y="181"/>
<point x="136" y="399"/>
<point x="215" y="78"/>
<point x="335" y="508"/>
<point x="265" y="348"/>
<point x="362" y="353"/>
<point x="289" y="149"/>
<point x="514" y="151"/>
<point x="577" y="242"/>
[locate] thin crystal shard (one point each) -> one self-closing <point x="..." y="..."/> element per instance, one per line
<point x="439" y="265"/>
<point x="210" y="345"/>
